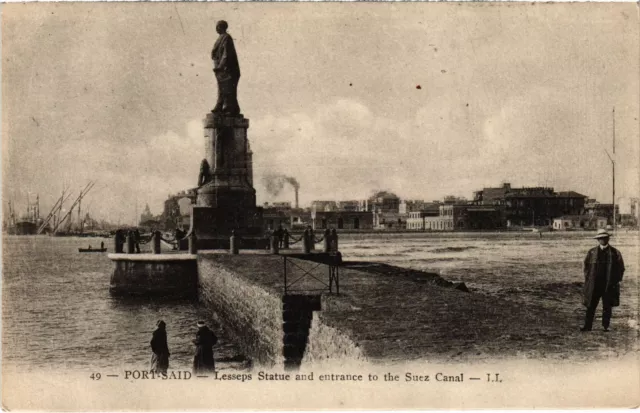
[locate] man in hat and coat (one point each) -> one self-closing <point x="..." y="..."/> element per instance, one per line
<point x="205" y="340"/>
<point x="603" y="271"/>
<point x="160" y="348"/>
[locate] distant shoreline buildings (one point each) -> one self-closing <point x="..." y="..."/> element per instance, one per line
<point x="493" y="208"/>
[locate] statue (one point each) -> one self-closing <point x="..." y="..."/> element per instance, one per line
<point x="227" y="71"/>
<point x="203" y="178"/>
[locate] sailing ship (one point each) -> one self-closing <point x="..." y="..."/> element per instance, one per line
<point x="58" y="222"/>
<point x="26" y="224"/>
<point x="62" y="226"/>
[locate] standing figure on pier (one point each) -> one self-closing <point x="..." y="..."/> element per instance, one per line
<point x="312" y="238"/>
<point x="227" y="71"/>
<point x="279" y="233"/>
<point x="160" y="348"/>
<point x="119" y="240"/>
<point x="203" y="361"/>
<point x="284" y="242"/>
<point x="603" y="271"/>
<point x="136" y="237"/>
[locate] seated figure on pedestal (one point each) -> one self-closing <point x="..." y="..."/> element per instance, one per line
<point x="203" y="177"/>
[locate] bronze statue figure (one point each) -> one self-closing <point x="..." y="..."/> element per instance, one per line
<point x="227" y="71"/>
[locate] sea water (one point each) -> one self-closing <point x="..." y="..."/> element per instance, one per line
<point x="57" y="311"/>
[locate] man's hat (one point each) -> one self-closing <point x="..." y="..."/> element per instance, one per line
<point x="201" y="324"/>
<point x="602" y="233"/>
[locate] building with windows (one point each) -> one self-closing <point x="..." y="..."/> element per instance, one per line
<point x="353" y="220"/>
<point x="594" y="208"/>
<point x="411" y="205"/>
<point x="319" y="206"/>
<point x="384" y="201"/>
<point x="456" y="200"/>
<point x="531" y="206"/>
<point x="451" y="217"/>
<point x="389" y="220"/>
<point x="579" y="222"/>
<point x="274" y="217"/>
<point x="416" y="220"/>
<point x="352" y="205"/>
<point x="300" y="218"/>
<point x="177" y="210"/>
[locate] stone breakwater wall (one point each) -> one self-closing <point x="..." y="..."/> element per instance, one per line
<point x="245" y="294"/>
<point x="328" y="344"/>
<point x="249" y="312"/>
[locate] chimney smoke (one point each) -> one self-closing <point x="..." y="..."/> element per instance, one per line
<point x="274" y="184"/>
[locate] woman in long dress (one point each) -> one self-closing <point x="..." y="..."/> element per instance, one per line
<point x="160" y="348"/>
<point x="205" y="340"/>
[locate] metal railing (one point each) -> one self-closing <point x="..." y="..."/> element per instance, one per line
<point x="299" y="274"/>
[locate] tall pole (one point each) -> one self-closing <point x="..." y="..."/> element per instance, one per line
<point x="613" y="168"/>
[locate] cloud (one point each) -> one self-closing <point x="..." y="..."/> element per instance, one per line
<point x="139" y="172"/>
<point x="340" y="151"/>
<point x="506" y="94"/>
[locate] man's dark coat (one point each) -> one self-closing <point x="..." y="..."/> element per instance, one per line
<point x="615" y="271"/>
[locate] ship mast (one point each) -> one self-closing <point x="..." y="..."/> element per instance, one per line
<point x="83" y="192"/>
<point x="12" y="215"/>
<point x="52" y="214"/>
<point x="79" y="217"/>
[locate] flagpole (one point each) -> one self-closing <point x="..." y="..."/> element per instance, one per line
<point x="613" y="169"/>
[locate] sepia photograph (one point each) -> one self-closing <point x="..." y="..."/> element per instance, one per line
<point x="304" y="206"/>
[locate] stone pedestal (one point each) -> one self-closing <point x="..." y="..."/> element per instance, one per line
<point x="226" y="199"/>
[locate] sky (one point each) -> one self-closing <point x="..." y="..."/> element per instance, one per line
<point x="424" y="100"/>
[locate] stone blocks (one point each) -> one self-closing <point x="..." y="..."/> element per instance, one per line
<point x="166" y="275"/>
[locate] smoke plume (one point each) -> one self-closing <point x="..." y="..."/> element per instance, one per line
<point x="275" y="183"/>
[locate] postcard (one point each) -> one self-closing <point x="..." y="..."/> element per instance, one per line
<point x="305" y="206"/>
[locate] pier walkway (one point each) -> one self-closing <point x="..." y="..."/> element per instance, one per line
<point x="387" y="313"/>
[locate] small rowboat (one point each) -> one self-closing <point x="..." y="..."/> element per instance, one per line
<point x="92" y="250"/>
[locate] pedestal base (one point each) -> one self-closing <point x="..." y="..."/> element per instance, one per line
<point x="213" y="227"/>
<point x="226" y="199"/>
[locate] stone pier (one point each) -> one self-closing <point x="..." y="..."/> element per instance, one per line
<point x="167" y="275"/>
<point x="383" y="313"/>
<point x="246" y="292"/>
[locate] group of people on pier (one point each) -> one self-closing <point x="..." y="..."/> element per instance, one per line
<point x="281" y="238"/>
<point x="203" y="361"/>
<point x="131" y="238"/>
